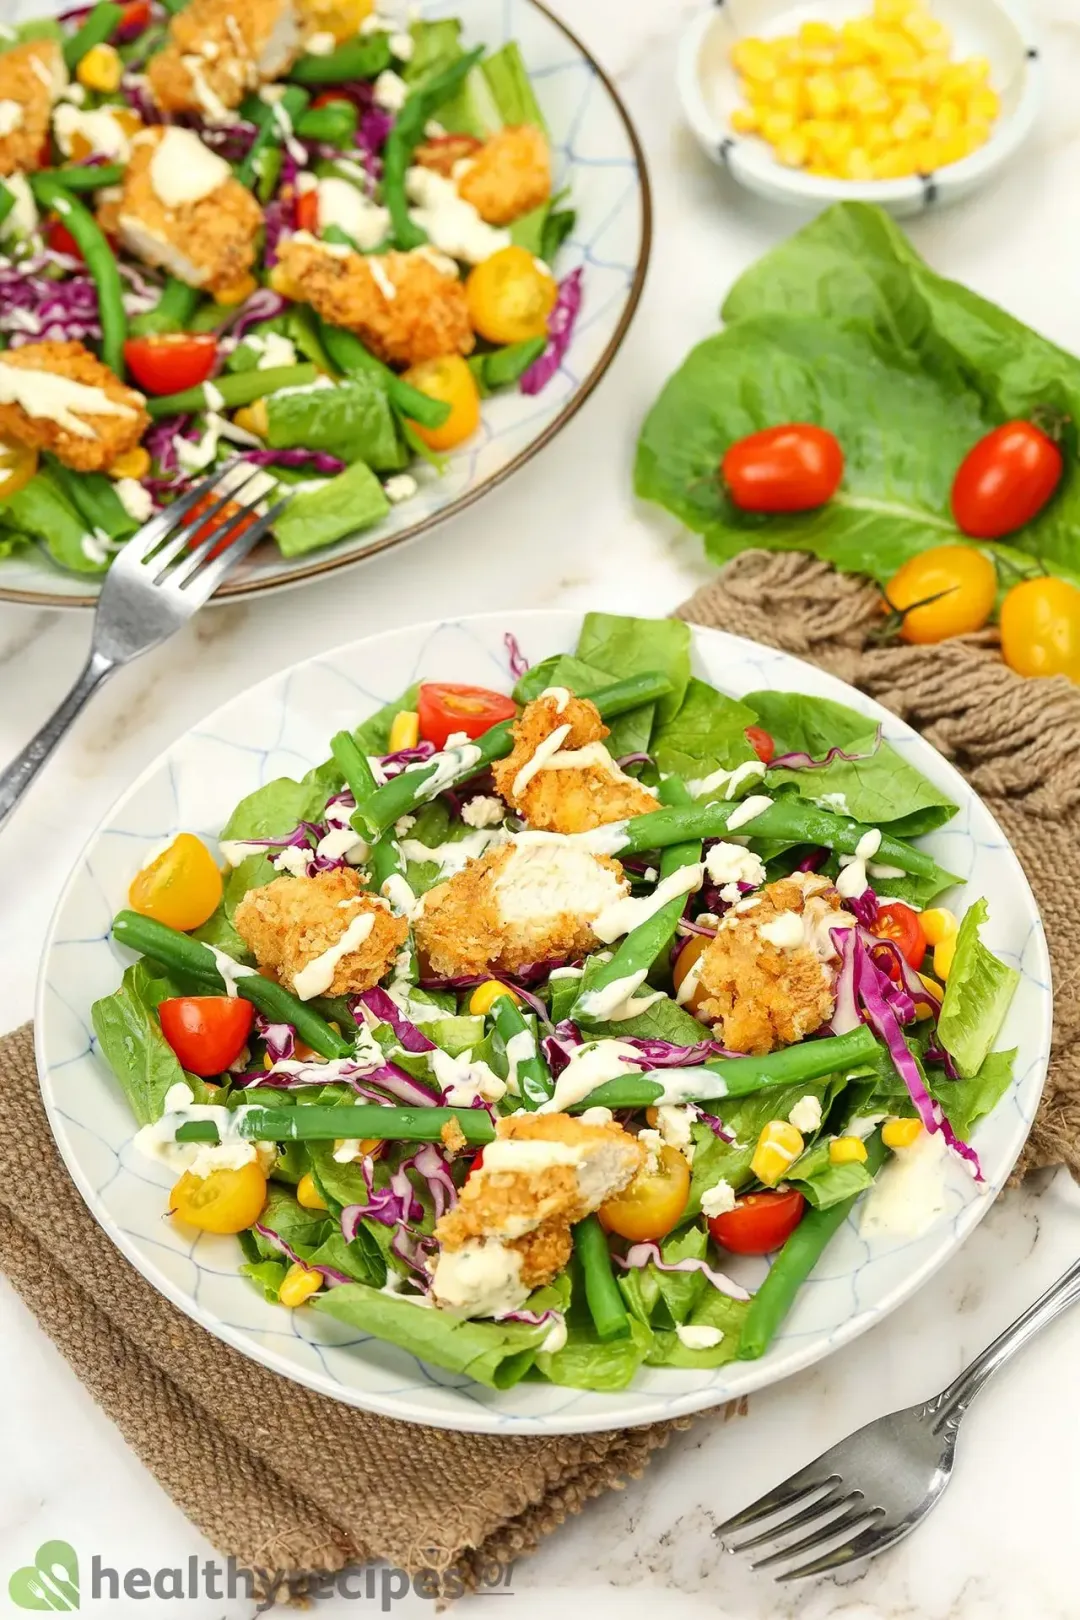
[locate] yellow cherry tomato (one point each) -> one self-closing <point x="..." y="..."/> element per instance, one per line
<point x="1040" y="628"/>
<point x="955" y="584"/>
<point x="226" y="1200"/>
<point x="18" y="464"/>
<point x="653" y="1203"/>
<point x="688" y="958"/>
<point x="448" y="378"/>
<point x="510" y="296"/>
<point x="181" y="887"/>
<point x="487" y="994"/>
<point x="342" y="18"/>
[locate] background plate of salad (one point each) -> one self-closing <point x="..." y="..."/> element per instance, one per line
<point x="257" y="769"/>
<point x="379" y="258"/>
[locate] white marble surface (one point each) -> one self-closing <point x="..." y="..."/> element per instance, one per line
<point x="565" y="532"/>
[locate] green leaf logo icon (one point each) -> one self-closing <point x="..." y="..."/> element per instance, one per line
<point x="51" y="1582"/>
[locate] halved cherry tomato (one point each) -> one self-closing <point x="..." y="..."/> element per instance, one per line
<point x="444" y="709"/>
<point x="902" y="925"/>
<point x="1040" y="628"/>
<point x="654" y="1201"/>
<point x="306" y="211"/>
<point x="689" y="955"/>
<point x="135" y="18"/>
<point x="759" y="1223"/>
<point x="761" y="743"/>
<point x="784" y="469"/>
<point x="207" y="1033"/>
<point x="326" y="97"/>
<point x="18" y="464"/>
<point x="226" y="1200"/>
<point x="169" y="362"/>
<point x="448" y="378"/>
<point x="181" y="887"/>
<point x="229" y="512"/>
<point x="510" y="296"/>
<point x="60" y="240"/>
<point x="956" y="586"/>
<point x="1006" y="480"/>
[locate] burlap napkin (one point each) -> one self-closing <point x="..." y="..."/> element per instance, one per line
<point x="291" y="1483"/>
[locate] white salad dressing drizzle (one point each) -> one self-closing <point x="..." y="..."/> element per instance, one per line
<point x="229" y="969"/>
<point x="627" y="914"/>
<point x="589" y="1067"/>
<point x="910" y="1192"/>
<point x="183" y="170"/>
<point x="545" y="751"/>
<point x="726" y="784"/>
<point x="748" y="810"/>
<point x="852" y="879"/>
<point x="58" y="399"/>
<point x="316" y="976"/>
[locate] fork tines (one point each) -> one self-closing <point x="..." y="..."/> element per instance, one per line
<point x="191" y="539"/>
<point x="833" y="1511"/>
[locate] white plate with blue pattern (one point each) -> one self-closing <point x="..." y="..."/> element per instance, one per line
<point x="281" y="727"/>
<point x="598" y="161"/>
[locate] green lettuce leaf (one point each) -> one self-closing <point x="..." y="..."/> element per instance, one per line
<point x="708" y="731"/>
<point x="629" y="646"/>
<point x="823" y="1183"/>
<point x="267" y="1275"/>
<point x="351" y="500"/>
<point x="130" y="1038"/>
<point x="713" y="1309"/>
<point x="968" y="1101"/>
<point x="977" y="996"/>
<point x="745" y="1117"/>
<point x="302" y="1229"/>
<point x="585" y="1362"/>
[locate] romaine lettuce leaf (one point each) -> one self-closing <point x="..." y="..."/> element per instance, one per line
<point x="977" y="996"/>
<point x="708" y="731"/>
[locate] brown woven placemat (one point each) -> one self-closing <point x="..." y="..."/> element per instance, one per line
<point x="288" y="1481"/>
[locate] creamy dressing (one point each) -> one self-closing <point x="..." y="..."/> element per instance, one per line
<point x="23" y="218"/>
<point x="102" y="131"/>
<point x="453" y="225"/>
<point x="627" y="914"/>
<point x="453" y="856"/>
<point x="229" y="969"/>
<point x="688" y="1085"/>
<point x="590" y="1066"/>
<point x="321" y="44"/>
<point x="529" y="1156"/>
<point x="520" y="1048"/>
<point x="396" y="889"/>
<point x="726" y="784"/>
<point x="728" y="865"/>
<point x="183" y="170"/>
<point x="606" y="840"/>
<point x="852" y="880"/>
<point x="58" y="399"/>
<point x="158" y="1141"/>
<point x="786" y="931"/>
<point x="463" y="1079"/>
<point x="560" y="694"/>
<point x="556" y="1338"/>
<point x="546" y="751"/>
<point x="273" y="349"/>
<point x="137" y="502"/>
<point x="614" y="1003"/>
<point x="343" y="843"/>
<point x="698" y="1335"/>
<point x="11" y="117"/>
<point x="909" y="1193"/>
<point x="316" y="976"/>
<point x="447" y="768"/>
<point x="482" y="1278"/>
<point x="748" y="810"/>
<point x="674" y="1122"/>
<point x="691" y="980"/>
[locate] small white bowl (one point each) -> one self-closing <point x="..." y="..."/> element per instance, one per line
<point x="1000" y="30"/>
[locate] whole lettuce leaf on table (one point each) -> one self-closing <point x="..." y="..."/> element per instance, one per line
<point x="846" y="326"/>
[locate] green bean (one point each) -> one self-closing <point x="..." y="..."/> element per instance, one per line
<point x="606" y="1305"/>
<point x="339" y="238"/>
<point x="94" y="497"/>
<point x="739" y="1076"/>
<point x="402" y="795"/>
<point x="335" y="123"/>
<point x="191" y="959"/>
<point x="351" y="357"/>
<point x="102" y="22"/>
<point x="84" y="177"/>
<point x="234" y="388"/>
<point x="7" y="203"/>
<point x="795" y="1262"/>
<point x="364" y="57"/>
<point x="788" y="820"/>
<point x="279" y="117"/>
<point x="347" y="1122"/>
<point x="386" y="861"/>
<point x="501" y="367"/>
<point x="533" y="1075"/>
<point x="406" y="134"/>
<point x="173" y="311"/>
<point x="100" y="263"/>
<point x="353" y="764"/>
<point x="269" y="174"/>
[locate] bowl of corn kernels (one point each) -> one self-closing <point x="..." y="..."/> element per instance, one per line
<point x="906" y="103"/>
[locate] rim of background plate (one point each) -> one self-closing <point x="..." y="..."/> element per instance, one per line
<point x="753" y="1375"/>
<point x="240" y="588"/>
<point x="751" y="164"/>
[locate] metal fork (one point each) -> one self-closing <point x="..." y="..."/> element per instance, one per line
<point x="153" y="587"/>
<point x="874" y="1487"/>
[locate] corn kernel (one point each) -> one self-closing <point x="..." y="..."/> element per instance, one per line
<point x="775" y="125"/>
<point x="847" y="1150"/>
<point x="134" y="463"/>
<point x="755" y="59"/>
<point x="281" y="282"/>
<point x="793" y="150"/>
<point x="948" y="119"/>
<point x="900" y="1133"/>
<point x="984" y="106"/>
<point x="895" y="164"/>
<point x="928" y="1006"/>
<point x="100" y="69"/>
<point x="938" y="924"/>
<point x="308" y="1194"/>
<point x="891" y="11"/>
<point x="745" y="121"/>
<point x="823" y="95"/>
<point x="236" y="291"/>
<point x="915" y="119"/>
<point x="487" y="994"/>
<point x="943" y="958"/>
<point x="877" y="139"/>
<point x="778" y="1146"/>
<point x="927" y="32"/>
<point x="253" y="418"/>
<point x="787" y="94"/>
<point x="858" y="165"/>
<point x="814" y="34"/>
<point x="298" y="1286"/>
<point x="404" y="730"/>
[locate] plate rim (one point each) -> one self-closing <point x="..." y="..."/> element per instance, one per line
<point x="240" y="590"/>
<point x="490" y="1420"/>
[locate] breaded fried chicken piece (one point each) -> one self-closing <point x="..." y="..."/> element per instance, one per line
<point x="297" y="926"/>
<point x="426" y="315"/>
<point x="518" y="903"/>
<point x="768" y="977"/>
<point x="71" y="404"/>
<point x="510" y="1229"/>
<point x="509" y="176"/>
<point x="32" y="75"/>
<point x="218" y="50"/>
<point x="566" y="794"/>
<point x="204" y="235"/>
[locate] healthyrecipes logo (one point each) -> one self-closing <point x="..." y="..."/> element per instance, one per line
<point x="51" y="1582"/>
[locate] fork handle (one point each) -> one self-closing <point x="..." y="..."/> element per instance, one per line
<point x="954" y="1401"/>
<point x="18" y="776"/>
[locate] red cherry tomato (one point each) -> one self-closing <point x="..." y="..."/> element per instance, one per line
<point x="325" y="97"/>
<point x="784" y="469"/>
<point x="135" y="18"/>
<point x="169" y="362"/>
<point x="306" y="211"/>
<point x="227" y="514"/>
<point x="760" y="1222"/>
<point x="1006" y="480"/>
<point x="445" y="709"/>
<point x="60" y="240"/>
<point x="900" y="924"/>
<point x="761" y="743"/>
<point x="207" y="1033"/>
